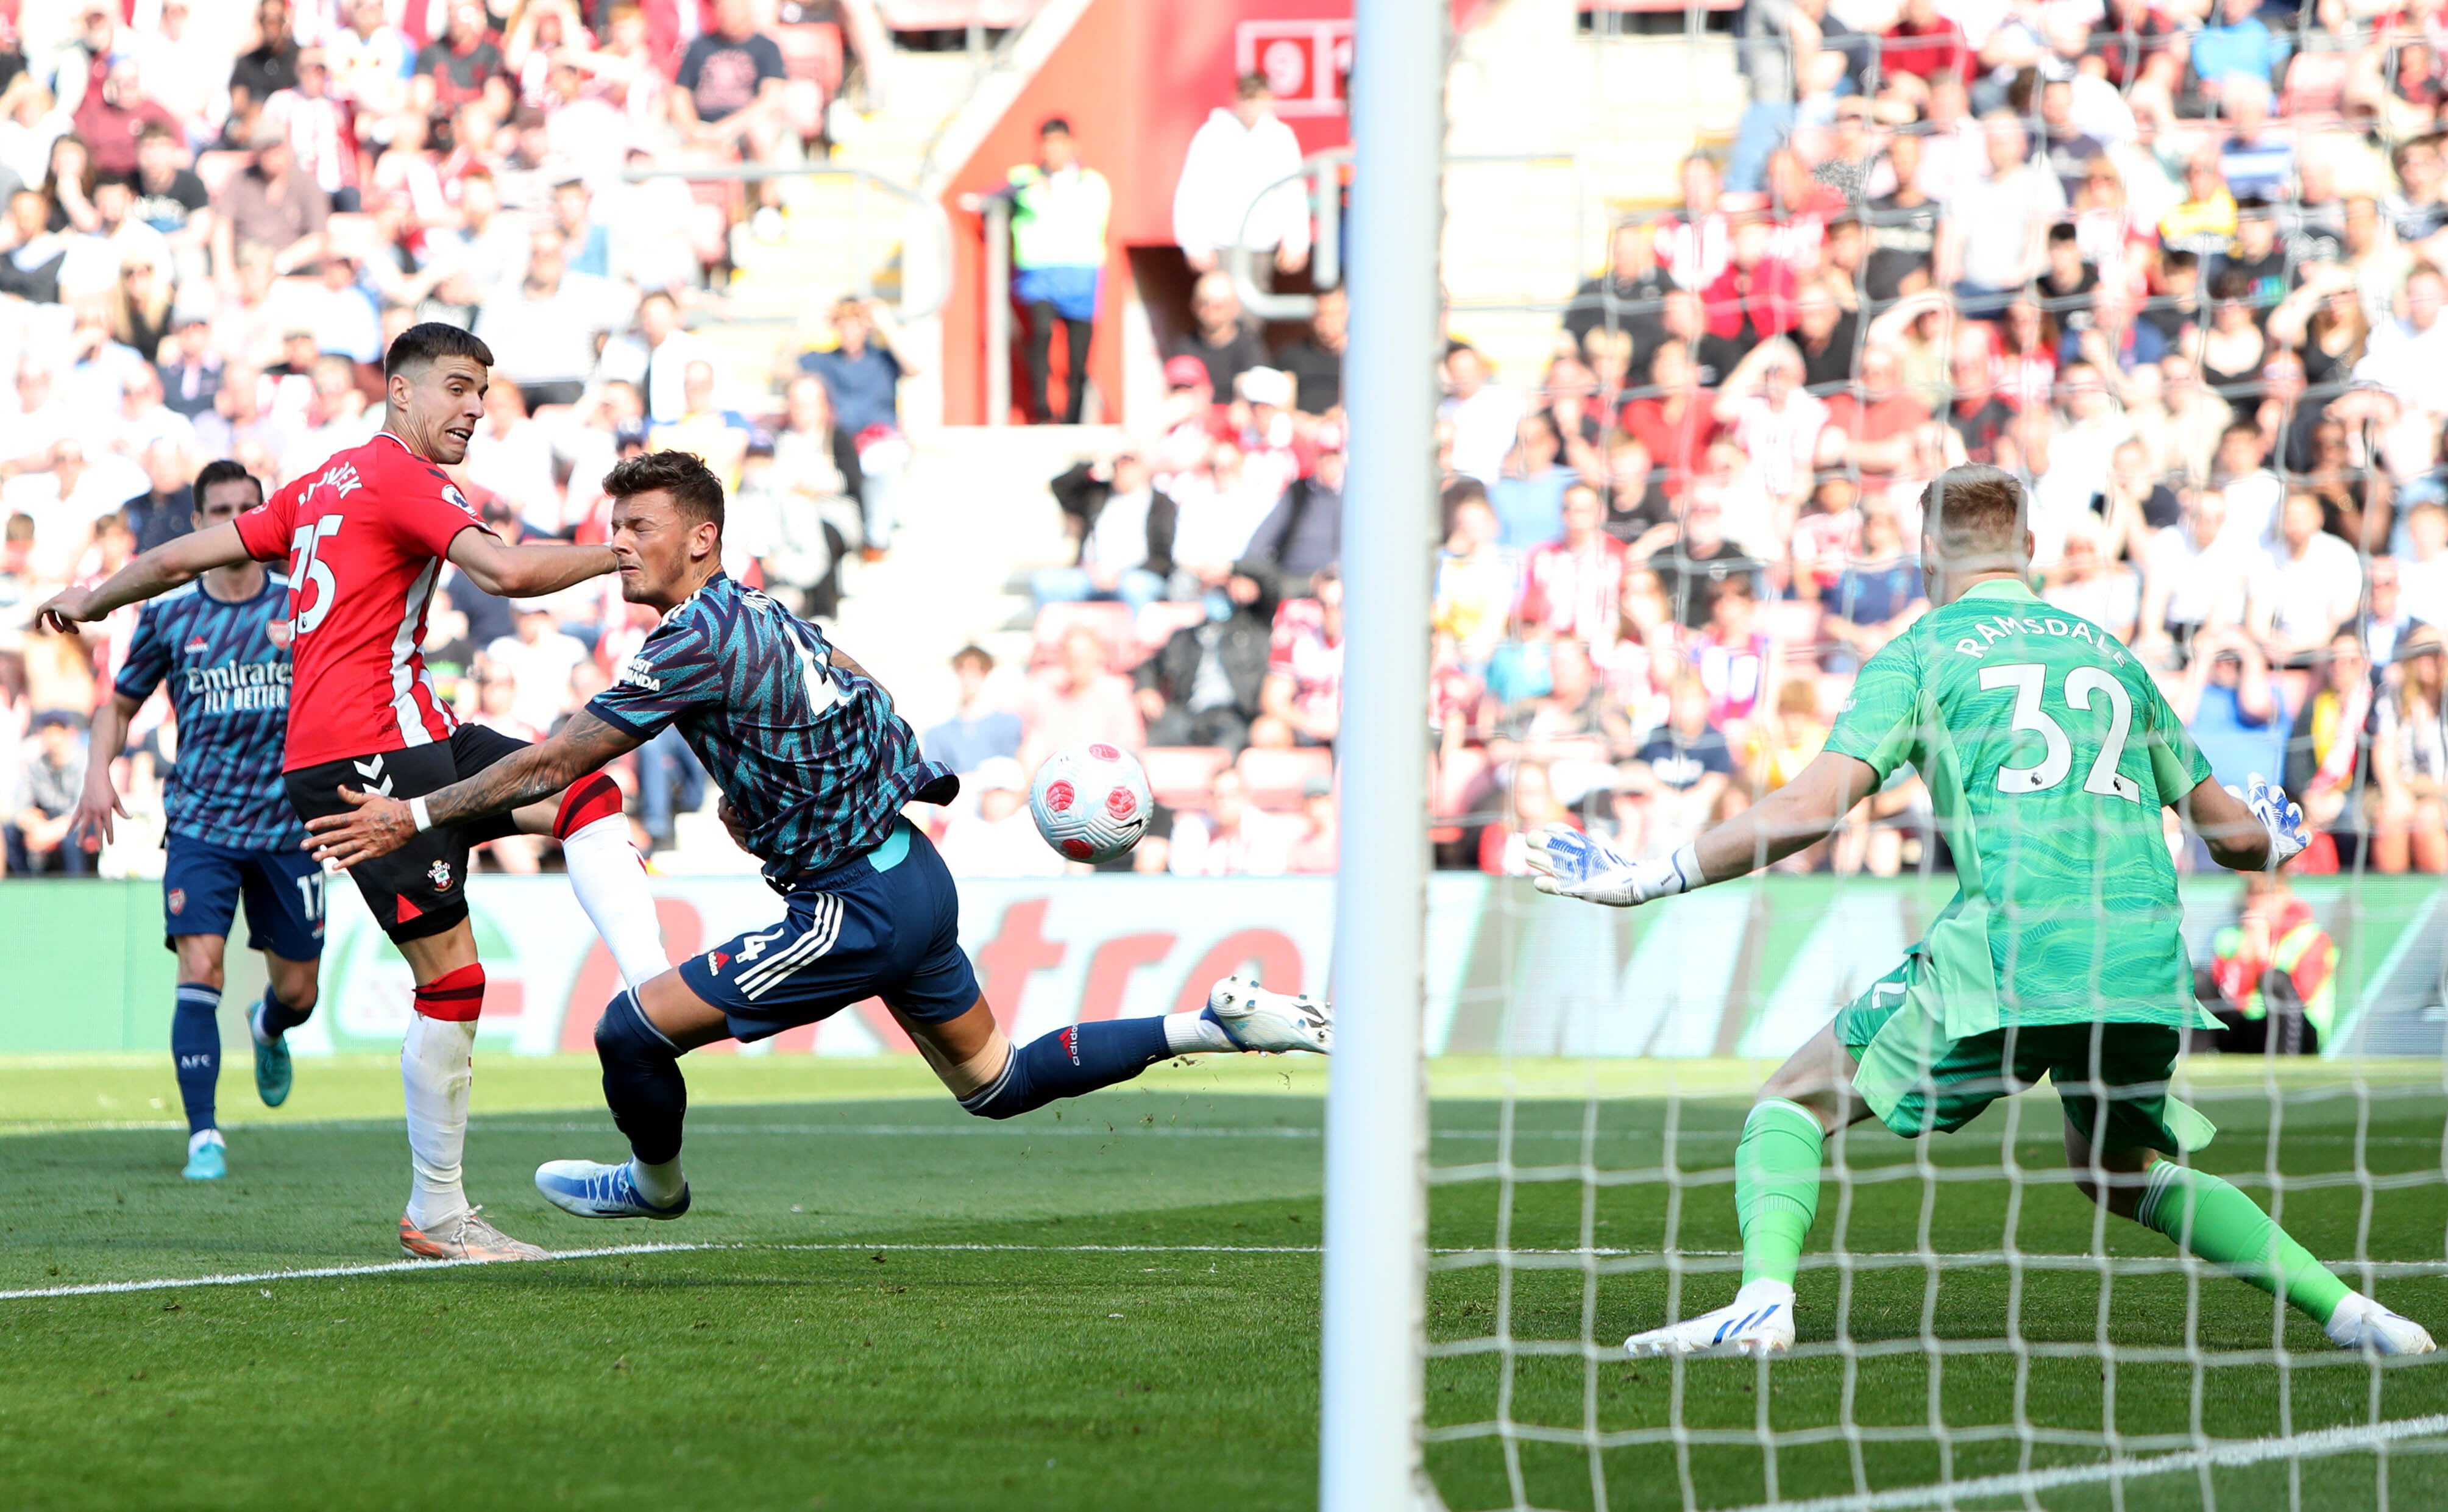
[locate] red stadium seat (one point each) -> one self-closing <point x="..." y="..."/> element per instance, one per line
<point x="1275" y="777"/>
<point x="1112" y="622"/>
<point x="1181" y="775"/>
<point x="811" y="50"/>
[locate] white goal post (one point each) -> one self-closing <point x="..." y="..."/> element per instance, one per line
<point x="1376" y="1115"/>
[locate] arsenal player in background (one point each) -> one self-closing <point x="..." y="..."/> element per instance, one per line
<point x="365" y="536"/>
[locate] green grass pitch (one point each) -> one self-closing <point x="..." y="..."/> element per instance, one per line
<point x="1109" y="1304"/>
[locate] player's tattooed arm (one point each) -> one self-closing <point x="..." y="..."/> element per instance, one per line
<point x="150" y="575"/>
<point x="376" y="826"/>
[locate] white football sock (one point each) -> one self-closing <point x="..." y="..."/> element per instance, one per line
<point x="1764" y="1293"/>
<point x="610" y="882"/>
<point x="2345" y="1325"/>
<point x="1195" y="1034"/>
<point x="204" y="1136"/>
<point x="659" y="1184"/>
<point x="436" y="1067"/>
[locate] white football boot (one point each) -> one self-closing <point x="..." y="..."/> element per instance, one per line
<point x="1759" y="1322"/>
<point x="2360" y="1323"/>
<point x="1256" y="1019"/>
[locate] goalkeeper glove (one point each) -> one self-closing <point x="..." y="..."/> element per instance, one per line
<point x="2281" y="818"/>
<point x="1571" y="863"/>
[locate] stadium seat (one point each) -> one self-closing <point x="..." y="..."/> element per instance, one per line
<point x="811" y="50"/>
<point x="1181" y="775"/>
<point x="1112" y="622"/>
<point x="1275" y="777"/>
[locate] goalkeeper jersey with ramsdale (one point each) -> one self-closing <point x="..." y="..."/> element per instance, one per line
<point x="2049" y="754"/>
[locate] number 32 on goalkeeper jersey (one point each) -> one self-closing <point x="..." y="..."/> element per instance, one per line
<point x="2049" y="754"/>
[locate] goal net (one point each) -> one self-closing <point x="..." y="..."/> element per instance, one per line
<point x="2172" y="266"/>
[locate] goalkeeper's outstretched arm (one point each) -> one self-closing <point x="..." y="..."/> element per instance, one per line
<point x="2252" y="829"/>
<point x="1795" y="817"/>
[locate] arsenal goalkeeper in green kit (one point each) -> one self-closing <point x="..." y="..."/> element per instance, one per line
<point x="2049" y="754"/>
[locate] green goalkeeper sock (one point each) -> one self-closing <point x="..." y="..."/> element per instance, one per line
<point x="2229" y="1228"/>
<point x="1776" y="1187"/>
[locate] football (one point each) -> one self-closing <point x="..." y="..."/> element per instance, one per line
<point x="1090" y="801"/>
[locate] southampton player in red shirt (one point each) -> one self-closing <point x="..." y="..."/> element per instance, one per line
<point x="365" y="536"/>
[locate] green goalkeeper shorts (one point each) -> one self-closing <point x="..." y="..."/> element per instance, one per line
<point x="2113" y="1078"/>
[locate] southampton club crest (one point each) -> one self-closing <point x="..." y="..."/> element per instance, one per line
<point x="440" y="872"/>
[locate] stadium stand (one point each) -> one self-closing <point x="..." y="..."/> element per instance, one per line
<point x="2177" y="266"/>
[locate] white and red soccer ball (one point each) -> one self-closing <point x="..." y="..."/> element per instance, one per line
<point x="1091" y="801"/>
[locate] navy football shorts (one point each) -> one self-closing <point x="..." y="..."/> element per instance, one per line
<point x="283" y="890"/>
<point x="886" y="925"/>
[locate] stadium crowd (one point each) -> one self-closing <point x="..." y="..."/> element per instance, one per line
<point x="2180" y="265"/>
<point x="213" y="220"/>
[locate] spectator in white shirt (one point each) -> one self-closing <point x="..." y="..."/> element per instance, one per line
<point x="656" y="357"/>
<point x="2084" y="581"/>
<point x="541" y="657"/>
<point x="1232" y="190"/>
<point x="1775" y="421"/>
<point x="546" y="327"/>
<point x="2080" y="456"/>
<point x="2408" y="357"/>
<point x="2195" y="574"/>
<point x="2252" y="491"/>
<point x="1234" y="837"/>
<point x="2309" y="583"/>
<point x="512" y="455"/>
<point x="65" y="501"/>
<point x="320" y="137"/>
<point x="2422" y="573"/>
<point x="42" y="419"/>
<point x="372" y="61"/>
<point x="1995" y="239"/>
<point x="188" y="78"/>
<point x="1484" y="416"/>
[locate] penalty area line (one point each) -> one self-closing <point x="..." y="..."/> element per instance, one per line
<point x="414" y="1267"/>
<point x="2235" y="1455"/>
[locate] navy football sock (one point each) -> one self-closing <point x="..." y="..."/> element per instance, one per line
<point x="643" y="1084"/>
<point x="1069" y="1062"/>
<point x="279" y="1018"/>
<point x="196" y="1050"/>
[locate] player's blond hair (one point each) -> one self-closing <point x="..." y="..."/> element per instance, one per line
<point x="1973" y="517"/>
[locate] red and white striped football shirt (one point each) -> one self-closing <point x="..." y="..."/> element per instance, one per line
<point x="365" y="535"/>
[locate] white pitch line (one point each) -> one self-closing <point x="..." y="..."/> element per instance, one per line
<point x="411" y="1267"/>
<point x="2317" y="1445"/>
<point x="1878" y="1259"/>
<point x="509" y="1125"/>
<point x="259" y="1277"/>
